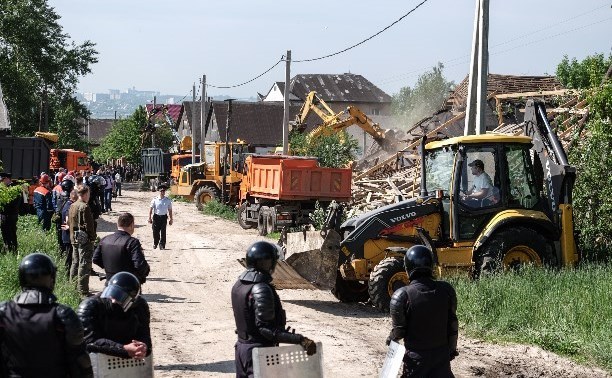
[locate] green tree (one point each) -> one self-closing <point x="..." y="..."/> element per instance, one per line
<point x="334" y="150"/>
<point x="427" y="96"/>
<point x="125" y="139"/>
<point x="592" y="157"/>
<point x="39" y="66"/>
<point x="66" y="125"/>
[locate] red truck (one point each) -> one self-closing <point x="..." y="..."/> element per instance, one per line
<point x="281" y="191"/>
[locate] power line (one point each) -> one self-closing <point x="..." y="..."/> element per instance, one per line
<point x="365" y="40"/>
<point x="248" y="81"/>
<point x="464" y="57"/>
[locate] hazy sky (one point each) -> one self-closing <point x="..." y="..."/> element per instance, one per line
<point x="167" y="45"/>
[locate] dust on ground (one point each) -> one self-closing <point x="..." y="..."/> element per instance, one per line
<point x="192" y="322"/>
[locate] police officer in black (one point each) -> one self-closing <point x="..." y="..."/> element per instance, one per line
<point x="9" y="214"/>
<point x="259" y="315"/>
<point x="121" y="252"/>
<point x="117" y="321"/>
<point x="424" y="315"/>
<point x="38" y="336"/>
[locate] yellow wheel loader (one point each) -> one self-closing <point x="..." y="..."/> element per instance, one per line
<point x="487" y="202"/>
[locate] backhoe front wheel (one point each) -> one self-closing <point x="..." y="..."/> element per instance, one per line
<point x="513" y="248"/>
<point x="388" y="276"/>
<point x="350" y="291"/>
<point x="204" y="195"/>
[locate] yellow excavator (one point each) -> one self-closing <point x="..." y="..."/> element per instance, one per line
<point x="335" y="122"/>
<point x="487" y="202"/>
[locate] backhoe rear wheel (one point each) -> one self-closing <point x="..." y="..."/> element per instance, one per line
<point x="350" y="291"/>
<point x="242" y="217"/>
<point x="512" y="248"/>
<point x="204" y="195"/>
<point x="388" y="276"/>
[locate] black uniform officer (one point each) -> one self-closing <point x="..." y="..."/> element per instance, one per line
<point x="9" y="215"/>
<point x="424" y="315"/>
<point x="117" y="321"/>
<point x="259" y="315"/>
<point x="62" y="200"/>
<point x="38" y="336"/>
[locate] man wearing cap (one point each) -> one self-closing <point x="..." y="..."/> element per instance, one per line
<point x="160" y="213"/>
<point x="43" y="202"/>
<point x="481" y="186"/>
<point x="9" y="215"/>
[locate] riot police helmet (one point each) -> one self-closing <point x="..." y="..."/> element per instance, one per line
<point x="67" y="185"/>
<point x="123" y="289"/>
<point x="37" y="271"/>
<point x="418" y="261"/>
<point x="262" y="256"/>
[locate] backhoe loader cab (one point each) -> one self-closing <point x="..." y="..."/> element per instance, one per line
<point x="487" y="202"/>
<point x="218" y="177"/>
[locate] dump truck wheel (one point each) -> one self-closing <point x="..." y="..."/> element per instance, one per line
<point x="204" y="195"/>
<point x="242" y="216"/>
<point x="512" y="248"/>
<point x="388" y="276"/>
<point x="350" y="291"/>
<point x="271" y="220"/>
<point x="262" y="229"/>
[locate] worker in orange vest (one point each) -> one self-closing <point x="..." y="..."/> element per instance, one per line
<point x="43" y="202"/>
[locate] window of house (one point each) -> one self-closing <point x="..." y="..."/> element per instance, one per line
<point x="375" y="111"/>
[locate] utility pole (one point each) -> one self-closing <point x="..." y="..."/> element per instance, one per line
<point x="148" y="120"/>
<point x="202" y="113"/>
<point x="286" y="104"/>
<point x="226" y="166"/>
<point x="479" y="67"/>
<point x="193" y="114"/>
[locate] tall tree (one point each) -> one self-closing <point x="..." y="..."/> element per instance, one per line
<point x="427" y="96"/>
<point x="39" y="66"/>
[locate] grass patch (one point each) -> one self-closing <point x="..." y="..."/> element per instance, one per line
<point x="177" y="198"/>
<point x="568" y="312"/>
<point x="31" y="238"/>
<point x="220" y="210"/>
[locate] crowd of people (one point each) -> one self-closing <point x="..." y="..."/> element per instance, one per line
<point x="40" y="337"/>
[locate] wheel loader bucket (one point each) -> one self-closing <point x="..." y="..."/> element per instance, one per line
<point x="313" y="257"/>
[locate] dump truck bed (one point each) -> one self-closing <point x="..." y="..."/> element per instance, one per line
<point x="295" y="178"/>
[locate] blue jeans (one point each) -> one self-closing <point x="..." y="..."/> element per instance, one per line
<point x="108" y="197"/>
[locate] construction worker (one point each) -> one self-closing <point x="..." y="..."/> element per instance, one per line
<point x="38" y="336"/>
<point x="57" y="190"/>
<point x="258" y="312"/>
<point x="117" y="321"/>
<point x="43" y="202"/>
<point x="424" y="315"/>
<point x="9" y="214"/>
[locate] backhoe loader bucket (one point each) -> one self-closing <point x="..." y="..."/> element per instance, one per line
<point x="314" y="257"/>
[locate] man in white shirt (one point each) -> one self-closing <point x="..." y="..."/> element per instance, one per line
<point x="481" y="187"/>
<point x="160" y="213"/>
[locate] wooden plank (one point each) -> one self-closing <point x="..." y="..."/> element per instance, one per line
<point x="558" y="92"/>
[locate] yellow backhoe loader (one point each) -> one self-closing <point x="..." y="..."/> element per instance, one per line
<point x="487" y="202"/>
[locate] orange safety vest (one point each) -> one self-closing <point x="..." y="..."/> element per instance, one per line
<point x="42" y="190"/>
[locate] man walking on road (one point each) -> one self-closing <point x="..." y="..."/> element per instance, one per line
<point x="424" y="315"/>
<point x="120" y="252"/>
<point x="81" y="219"/>
<point x="160" y="213"/>
<point x="258" y="312"/>
<point x="40" y="337"/>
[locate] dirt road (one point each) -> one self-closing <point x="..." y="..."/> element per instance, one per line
<point x="192" y="323"/>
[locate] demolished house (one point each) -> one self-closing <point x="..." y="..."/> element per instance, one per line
<point x="396" y="177"/>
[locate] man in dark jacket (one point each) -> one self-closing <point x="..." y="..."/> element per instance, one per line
<point x="43" y="202"/>
<point x="120" y="252"/>
<point x="258" y="312"/>
<point x="38" y="336"/>
<point x="424" y="315"/>
<point x="9" y="214"/>
<point x="117" y="321"/>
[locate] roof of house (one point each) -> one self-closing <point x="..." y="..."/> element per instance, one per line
<point x="257" y="123"/>
<point x="174" y="111"/>
<point x="338" y="88"/>
<point x="98" y="129"/>
<point x="506" y="84"/>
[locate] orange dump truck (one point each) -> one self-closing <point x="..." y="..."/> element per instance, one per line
<point x="281" y="191"/>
